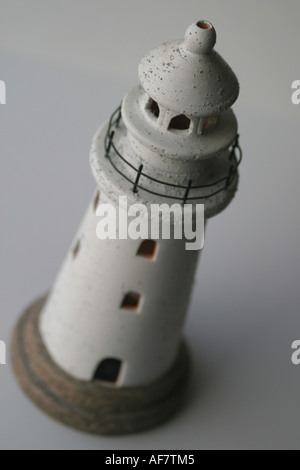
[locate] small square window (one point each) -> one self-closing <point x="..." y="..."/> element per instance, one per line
<point x="108" y="370"/>
<point x="131" y="301"/>
<point x="148" y="249"/>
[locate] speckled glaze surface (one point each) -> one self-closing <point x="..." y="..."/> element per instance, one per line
<point x="189" y="76"/>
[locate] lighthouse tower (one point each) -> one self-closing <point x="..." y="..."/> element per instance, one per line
<point x="103" y="351"/>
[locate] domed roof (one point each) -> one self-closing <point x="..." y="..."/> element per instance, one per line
<point x="188" y="76"/>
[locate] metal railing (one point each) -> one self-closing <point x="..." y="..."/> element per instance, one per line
<point x="227" y="180"/>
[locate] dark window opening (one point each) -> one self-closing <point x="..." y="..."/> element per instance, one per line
<point x="96" y="201"/>
<point x="206" y="123"/>
<point x="181" y="122"/>
<point x="147" y="249"/>
<point x="131" y="301"/>
<point x="76" y="249"/>
<point x="108" y="370"/>
<point x="154" y="108"/>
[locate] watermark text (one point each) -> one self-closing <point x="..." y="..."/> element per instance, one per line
<point x="296" y="93"/>
<point x="2" y="92"/>
<point x="159" y="221"/>
<point x="296" y="353"/>
<point x="2" y="353"/>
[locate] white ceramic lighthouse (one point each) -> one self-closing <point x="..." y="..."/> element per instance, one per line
<point x="103" y="351"/>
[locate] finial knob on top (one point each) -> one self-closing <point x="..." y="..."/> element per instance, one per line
<point x="200" y="37"/>
<point x="188" y="76"/>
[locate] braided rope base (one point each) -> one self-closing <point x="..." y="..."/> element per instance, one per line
<point x="90" y="406"/>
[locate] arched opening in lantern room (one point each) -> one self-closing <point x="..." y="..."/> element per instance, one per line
<point x="153" y="108"/>
<point x="180" y="122"/>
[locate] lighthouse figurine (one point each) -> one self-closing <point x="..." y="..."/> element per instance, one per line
<point x="103" y="351"/>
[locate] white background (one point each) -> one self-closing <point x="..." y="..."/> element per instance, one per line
<point x="67" y="65"/>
